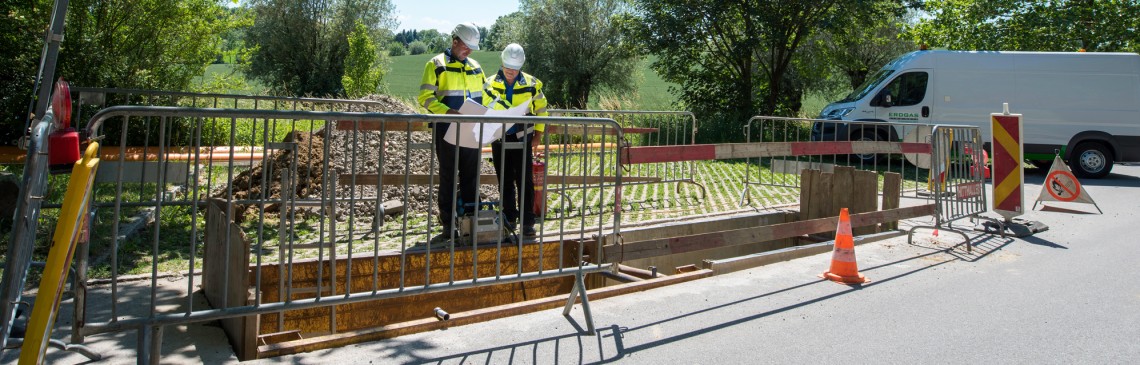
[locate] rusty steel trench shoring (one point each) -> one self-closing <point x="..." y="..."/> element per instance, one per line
<point x="650" y="257"/>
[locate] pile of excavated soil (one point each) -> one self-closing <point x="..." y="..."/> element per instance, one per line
<point x="343" y="147"/>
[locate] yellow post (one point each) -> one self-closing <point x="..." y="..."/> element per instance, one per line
<point x="71" y="219"/>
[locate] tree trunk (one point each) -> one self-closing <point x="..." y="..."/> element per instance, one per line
<point x="579" y="92"/>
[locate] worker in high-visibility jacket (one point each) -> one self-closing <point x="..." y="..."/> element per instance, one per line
<point x="448" y="80"/>
<point x="507" y="89"/>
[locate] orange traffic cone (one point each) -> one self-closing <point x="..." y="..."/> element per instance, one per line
<point x="843" y="267"/>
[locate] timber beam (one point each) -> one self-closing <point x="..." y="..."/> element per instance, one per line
<point x="682" y="244"/>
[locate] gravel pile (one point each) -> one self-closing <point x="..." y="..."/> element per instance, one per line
<point x="343" y="147"/>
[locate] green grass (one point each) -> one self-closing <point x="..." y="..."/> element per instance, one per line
<point x="405" y="72"/>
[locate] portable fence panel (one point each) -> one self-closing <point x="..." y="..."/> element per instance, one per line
<point x="778" y="149"/>
<point x="301" y="221"/>
<point x="644" y="129"/>
<point x="958" y="173"/>
<point x="957" y="182"/>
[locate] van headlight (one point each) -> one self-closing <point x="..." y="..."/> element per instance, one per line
<point x="839" y="113"/>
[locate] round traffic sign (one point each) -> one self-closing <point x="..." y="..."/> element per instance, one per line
<point x="1063" y="186"/>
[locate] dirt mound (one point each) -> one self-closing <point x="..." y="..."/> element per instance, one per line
<point x="363" y="152"/>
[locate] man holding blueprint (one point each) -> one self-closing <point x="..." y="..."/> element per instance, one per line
<point x="449" y="80"/>
<point x="515" y="92"/>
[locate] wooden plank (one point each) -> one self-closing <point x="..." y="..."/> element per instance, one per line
<point x="379" y="125"/>
<point x="579" y="130"/>
<point x="822" y="199"/>
<point x="892" y="194"/>
<point x="654" y="154"/>
<point x="807" y="196"/>
<point x="675" y="245"/>
<point x="466" y="317"/>
<point x="771" y="149"/>
<point x="749" y="150"/>
<point x="424" y="179"/>
<point x="842" y="187"/>
<point x="221" y="294"/>
<point x="864" y="198"/>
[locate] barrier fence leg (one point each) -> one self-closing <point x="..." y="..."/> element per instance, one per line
<point x="579" y="290"/>
<point x="144" y="346"/>
<point x="156" y="346"/>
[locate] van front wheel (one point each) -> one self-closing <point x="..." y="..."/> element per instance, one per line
<point x="866" y="135"/>
<point x="1091" y="160"/>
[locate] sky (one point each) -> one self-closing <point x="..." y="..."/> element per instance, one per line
<point x="445" y="14"/>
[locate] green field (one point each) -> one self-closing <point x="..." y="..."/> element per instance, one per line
<point x="404" y="72"/>
<point x="403" y="79"/>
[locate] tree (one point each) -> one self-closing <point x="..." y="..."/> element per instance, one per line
<point x="580" y="45"/>
<point x="734" y="59"/>
<point x="146" y="44"/>
<point x="436" y="42"/>
<point x="506" y="30"/>
<point x="363" y="70"/>
<point x="21" y="38"/>
<point x="300" y="46"/>
<point x="867" y="43"/>
<point x="484" y="44"/>
<point x="1019" y="25"/>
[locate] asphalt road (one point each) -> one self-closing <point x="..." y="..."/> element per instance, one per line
<point x="1064" y="296"/>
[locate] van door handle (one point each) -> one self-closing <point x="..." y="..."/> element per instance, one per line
<point x="926" y="112"/>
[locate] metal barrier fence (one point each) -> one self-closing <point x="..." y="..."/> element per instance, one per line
<point x="902" y="148"/>
<point x="91" y="100"/>
<point x="307" y="219"/>
<point x="957" y="179"/>
<point x="650" y="128"/>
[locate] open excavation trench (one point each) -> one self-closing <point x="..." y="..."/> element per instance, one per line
<point x="669" y="232"/>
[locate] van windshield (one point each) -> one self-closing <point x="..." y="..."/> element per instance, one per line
<point x="870" y="84"/>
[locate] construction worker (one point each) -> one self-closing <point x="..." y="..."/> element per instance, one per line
<point x="505" y="90"/>
<point x="450" y="78"/>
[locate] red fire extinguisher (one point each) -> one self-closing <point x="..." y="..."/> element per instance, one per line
<point x="538" y="178"/>
<point x="63" y="143"/>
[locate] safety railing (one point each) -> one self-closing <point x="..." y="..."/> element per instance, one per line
<point x="641" y="129"/>
<point x="90" y="100"/>
<point x="333" y="210"/>
<point x="902" y="148"/>
<point x="957" y="178"/>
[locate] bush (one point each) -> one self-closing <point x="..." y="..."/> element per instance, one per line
<point x="396" y="49"/>
<point x="417" y="47"/>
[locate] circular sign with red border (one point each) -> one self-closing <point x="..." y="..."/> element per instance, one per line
<point x="1063" y="186"/>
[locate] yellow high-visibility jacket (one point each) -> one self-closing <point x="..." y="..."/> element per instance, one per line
<point x="526" y="88"/>
<point x="447" y="82"/>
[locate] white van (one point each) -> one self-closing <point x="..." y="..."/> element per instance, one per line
<point x="1084" y="105"/>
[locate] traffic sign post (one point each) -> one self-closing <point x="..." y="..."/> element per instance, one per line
<point x="1008" y="176"/>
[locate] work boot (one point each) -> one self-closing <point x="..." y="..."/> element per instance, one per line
<point x="529" y="231"/>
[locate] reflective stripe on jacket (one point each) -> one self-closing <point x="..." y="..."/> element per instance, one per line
<point x="526" y="87"/>
<point x="447" y="82"/>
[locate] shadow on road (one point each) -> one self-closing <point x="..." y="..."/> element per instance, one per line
<point x="526" y="352"/>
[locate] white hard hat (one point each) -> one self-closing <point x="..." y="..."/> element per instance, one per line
<point x="468" y="33"/>
<point x="513" y="56"/>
